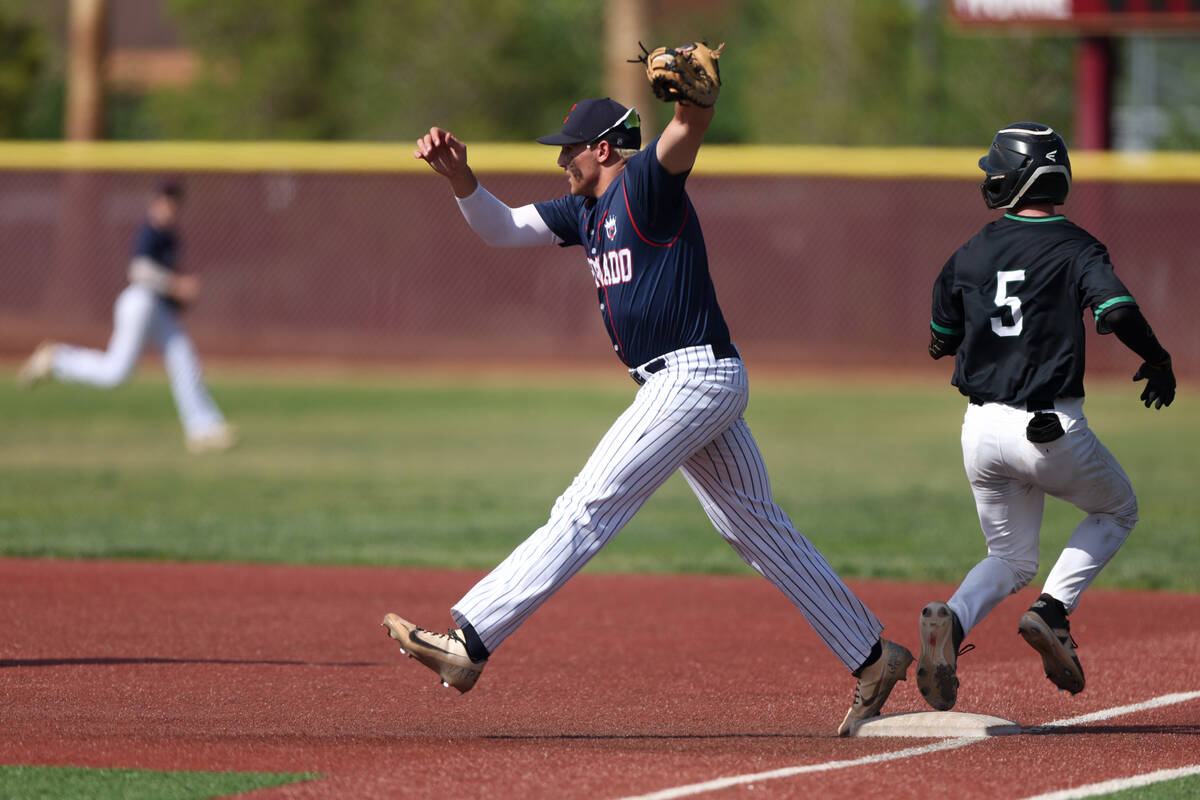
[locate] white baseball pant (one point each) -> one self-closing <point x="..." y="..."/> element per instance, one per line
<point x="688" y="416"/>
<point x="140" y="315"/>
<point x="1010" y="478"/>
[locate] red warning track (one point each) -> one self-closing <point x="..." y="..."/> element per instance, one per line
<point x="620" y="686"/>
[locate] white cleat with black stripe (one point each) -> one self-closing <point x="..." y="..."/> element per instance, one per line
<point x="444" y="653"/>
<point x="875" y="683"/>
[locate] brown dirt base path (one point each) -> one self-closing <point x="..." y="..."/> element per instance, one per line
<point x="620" y="686"/>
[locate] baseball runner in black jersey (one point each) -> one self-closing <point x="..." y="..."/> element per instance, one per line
<point x="1008" y="305"/>
<point x="641" y="238"/>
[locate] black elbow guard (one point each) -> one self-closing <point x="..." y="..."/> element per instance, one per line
<point x="1134" y="332"/>
<point x="1121" y="318"/>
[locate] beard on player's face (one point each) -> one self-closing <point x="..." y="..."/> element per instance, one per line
<point x="575" y="175"/>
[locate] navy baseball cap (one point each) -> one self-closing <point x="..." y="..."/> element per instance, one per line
<point x="601" y="118"/>
<point x="169" y="185"/>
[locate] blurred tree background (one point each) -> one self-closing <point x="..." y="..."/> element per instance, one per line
<point x="27" y="84"/>
<point x="853" y="72"/>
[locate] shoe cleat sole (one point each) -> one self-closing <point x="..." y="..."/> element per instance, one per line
<point x="937" y="669"/>
<point x="1056" y="657"/>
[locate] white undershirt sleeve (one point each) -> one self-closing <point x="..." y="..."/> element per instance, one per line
<point x="145" y="271"/>
<point x="502" y="226"/>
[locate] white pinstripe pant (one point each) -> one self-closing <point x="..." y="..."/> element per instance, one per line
<point x="688" y="416"/>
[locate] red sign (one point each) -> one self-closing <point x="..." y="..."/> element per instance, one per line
<point x="1087" y="15"/>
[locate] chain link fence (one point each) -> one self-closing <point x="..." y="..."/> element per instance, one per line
<point x="811" y="271"/>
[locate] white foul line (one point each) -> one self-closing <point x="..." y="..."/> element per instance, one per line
<point x="1157" y="702"/>
<point x="1119" y="784"/>
<point x="787" y="772"/>
<point x="946" y="744"/>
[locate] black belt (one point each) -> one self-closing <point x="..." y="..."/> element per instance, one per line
<point x="720" y="350"/>
<point x="1030" y="405"/>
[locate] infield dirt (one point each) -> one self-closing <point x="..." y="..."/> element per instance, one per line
<point x="619" y="686"/>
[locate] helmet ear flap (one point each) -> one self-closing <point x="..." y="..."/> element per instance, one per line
<point x="1000" y="183"/>
<point x="994" y="189"/>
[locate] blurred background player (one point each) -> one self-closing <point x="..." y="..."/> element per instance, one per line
<point x="1008" y="305"/>
<point x="148" y="310"/>
<point x="629" y="212"/>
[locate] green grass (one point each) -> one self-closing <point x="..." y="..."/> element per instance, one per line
<point x="78" y="783"/>
<point x="413" y="468"/>
<point x="1178" y="789"/>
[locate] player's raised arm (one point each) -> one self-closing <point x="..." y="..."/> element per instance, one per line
<point x="681" y="139"/>
<point x="690" y="77"/>
<point x="448" y="156"/>
<point x="494" y="222"/>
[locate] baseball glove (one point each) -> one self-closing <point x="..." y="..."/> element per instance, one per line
<point x="690" y="73"/>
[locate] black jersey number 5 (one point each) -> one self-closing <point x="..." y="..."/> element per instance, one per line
<point x="1006" y="321"/>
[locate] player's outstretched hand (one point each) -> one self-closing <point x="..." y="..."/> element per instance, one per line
<point x="448" y="157"/>
<point x="185" y="288"/>
<point x="445" y="153"/>
<point x="1160" y="382"/>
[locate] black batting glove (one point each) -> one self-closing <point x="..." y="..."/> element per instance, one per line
<point x="1160" y="382"/>
<point x="941" y="344"/>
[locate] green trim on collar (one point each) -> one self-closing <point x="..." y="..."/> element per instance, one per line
<point x="1017" y="218"/>
<point x="945" y="330"/>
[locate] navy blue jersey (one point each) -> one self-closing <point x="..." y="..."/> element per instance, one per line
<point x="646" y="252"/>
<point x="1016" y="293"/>
<point x="158" y="244"/>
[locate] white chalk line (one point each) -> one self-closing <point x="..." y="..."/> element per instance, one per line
<point x="716" y="784"/>
<point x="1157" y="702"/>
<point x="787" y="772"/>
<point x="1119" y="784"/>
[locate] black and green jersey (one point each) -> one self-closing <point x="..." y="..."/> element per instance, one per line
<point x="1016" y="293"/>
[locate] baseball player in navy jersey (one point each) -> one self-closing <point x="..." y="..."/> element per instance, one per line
<point x="1008" y="305"/>
<point x="148" y="310"/>
<point x="641" y="238"/>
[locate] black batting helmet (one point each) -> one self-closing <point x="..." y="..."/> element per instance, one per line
<point x="1027" y="163"/>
